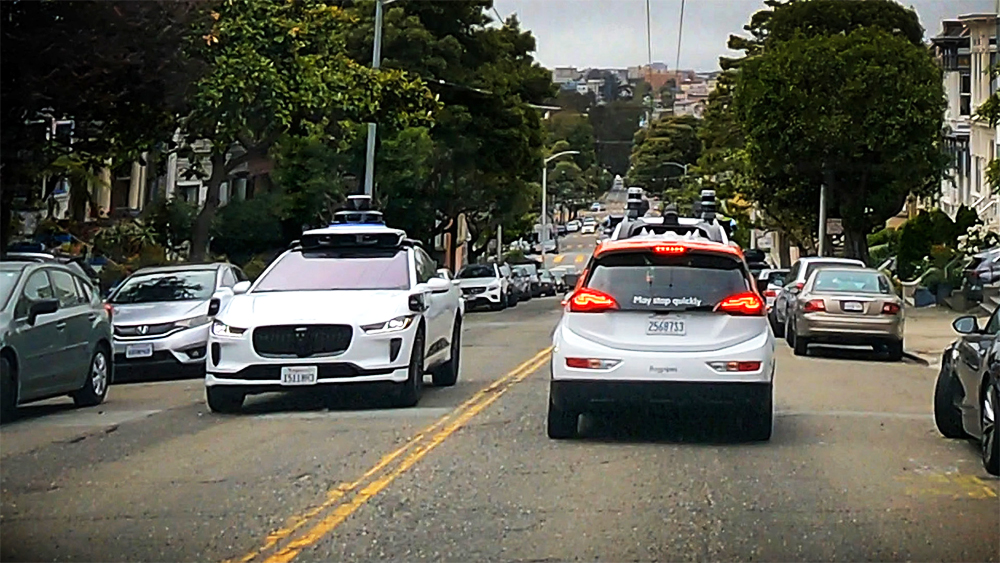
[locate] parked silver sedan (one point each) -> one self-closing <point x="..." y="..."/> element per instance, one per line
<point x="848" y="306"/>
<point x="55" y="336"/>
<point x="162" y="316"/>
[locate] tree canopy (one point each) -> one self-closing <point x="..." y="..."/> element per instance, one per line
<point x="669" y="142"/>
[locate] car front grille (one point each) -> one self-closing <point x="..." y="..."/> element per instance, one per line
<point x="143" y="331"/>
<point x="474" y="290"/>
<point x="301" y="341"/>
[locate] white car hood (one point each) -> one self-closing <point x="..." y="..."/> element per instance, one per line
<point x="315" y="307"/>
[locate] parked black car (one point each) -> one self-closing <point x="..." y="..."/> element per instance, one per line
<point x="967" y="394"/>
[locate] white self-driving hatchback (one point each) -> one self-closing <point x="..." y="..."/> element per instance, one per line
<point x="663" y="318"/>
<point x="349" y="304"/>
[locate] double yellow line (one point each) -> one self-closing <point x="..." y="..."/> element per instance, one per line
<point x="320" y="520"/>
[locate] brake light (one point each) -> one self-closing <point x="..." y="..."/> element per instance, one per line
<point x="110" y="310"/>
<point x="591" y="363"/>
<point x="800" y="285"/>
<point x="671" y="249"/>
<point x="746" y="304"/>
<point x="891" y="309"/>
<point x="587" y="300"/>
<point x="814" y="306"/>
<point x="770" y="293"/>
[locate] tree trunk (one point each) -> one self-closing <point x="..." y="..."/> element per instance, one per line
<point x="856" y="244"/>
<point x="203" y="222"/>
<point x="784" y="251"/>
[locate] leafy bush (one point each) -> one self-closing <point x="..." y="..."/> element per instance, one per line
<point x="918" y="236"/>
<point x="171" y="221"/>
<point x="124" y="241"/>
<point x="243" y="229"/>
<point x="257" y="265"/>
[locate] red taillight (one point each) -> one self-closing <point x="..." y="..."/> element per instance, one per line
<point x="799" y="286"/>
<point x="748" y="304"/>
<point x="110" y="310"/>
<point x="590" y="363"/>
<point x="669" y="249"/>
<point x="735" y="366"/>
<point x="891" y="309"/>
<point x="814" y="306"/>
<point x="770" y="293"/>
<point x="587" y="300"/>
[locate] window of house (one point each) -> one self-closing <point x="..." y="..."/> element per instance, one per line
<point x="965" y="98"/>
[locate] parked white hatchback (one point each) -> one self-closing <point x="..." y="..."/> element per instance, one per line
<point x="350" y="304"/>
<point x="663" y="318"/>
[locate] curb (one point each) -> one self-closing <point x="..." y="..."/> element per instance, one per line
<point x="918" y="359"/>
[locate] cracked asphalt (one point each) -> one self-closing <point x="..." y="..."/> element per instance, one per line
<point x="855" y="471"/>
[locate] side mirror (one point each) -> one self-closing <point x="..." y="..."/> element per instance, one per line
<point x="444" y="273"/>
<point x="966" y="325"/>
<point x="438" y="285"/>
<point x="241" y="287"/>
<point x="213" y="306"/>
<point x="43" y="307"/>
<point x="417" y="303"/>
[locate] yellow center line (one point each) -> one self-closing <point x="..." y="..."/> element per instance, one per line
<point x="337" y="493"/>
<point x="558" y="259"/>
<point x="579" y="258"/>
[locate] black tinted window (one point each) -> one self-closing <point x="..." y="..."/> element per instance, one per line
<point x="477" y="271"/>
<point x="645" y="281"/>
<point x="326" y="270"/>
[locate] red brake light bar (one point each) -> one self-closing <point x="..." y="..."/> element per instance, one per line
<point x="669" y="249"/>
<point x="586" y="300"/>
<point x="747" y="304"/>
<point x="666" y="248"/>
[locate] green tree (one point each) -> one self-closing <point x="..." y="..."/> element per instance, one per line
<point x="671" y="139"/>
<point x="615" y="125"/>
<point x="281" y="68"/>
<point x="862" y="112"/>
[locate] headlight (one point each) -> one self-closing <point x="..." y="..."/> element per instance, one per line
<point x="193" y="321"/>
<point x="394" y="325"/>
<point x="494" y="285"/>
<point x="220" y="328"/>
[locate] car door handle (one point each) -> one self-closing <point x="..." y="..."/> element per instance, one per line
<point x="60" y="325"/>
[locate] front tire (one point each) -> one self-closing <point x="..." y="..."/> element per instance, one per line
<point x="412" y="388"/>
<point x="225" y="400"/>
<point x="777" y="326"/>
<point x="446" y="374"/>
<point x="947" y="415"/>
<point x="8" y="391"/>
<point x="95" y="389"/>
<point x="562" y="424"/>
<point x="989" y="441"/>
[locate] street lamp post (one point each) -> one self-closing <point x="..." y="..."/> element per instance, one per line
<point x="545" y="175"/>
<point x="376" y="64"/>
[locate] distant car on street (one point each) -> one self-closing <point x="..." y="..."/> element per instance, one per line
<point x="769" y="282"/>
<point x="850" y="306"/>
<point x="573" y="226"/>
<point x="795" y="280"/>
<point x="484" y="285"/>
<point x="967" y="393"/>
<point x="55" y="336"/>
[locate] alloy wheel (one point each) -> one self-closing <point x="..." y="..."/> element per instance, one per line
<point x="988" y="421"/>
<point x="99" y="374"/>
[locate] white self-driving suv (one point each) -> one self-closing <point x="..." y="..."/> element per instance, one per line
<point x="349" y="303"/>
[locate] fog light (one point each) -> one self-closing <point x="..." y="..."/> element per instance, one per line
<point x="195" y="353"/>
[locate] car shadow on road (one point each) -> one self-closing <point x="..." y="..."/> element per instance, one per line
<point x="857" y="353"/>
<point x="673" y="426"/>
<point x="348" y="397"/>
<point x="34" y="411"/>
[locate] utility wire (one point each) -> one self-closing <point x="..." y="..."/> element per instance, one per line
<point x="680" y="31"/>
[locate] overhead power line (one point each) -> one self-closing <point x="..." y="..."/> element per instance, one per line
<point x="680" y="32"/>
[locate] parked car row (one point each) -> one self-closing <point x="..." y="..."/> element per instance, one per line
<point x="499" y="286"/>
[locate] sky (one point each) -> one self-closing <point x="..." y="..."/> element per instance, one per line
<point x="612" y="33"/>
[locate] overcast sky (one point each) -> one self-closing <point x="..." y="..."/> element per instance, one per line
<point x="612" y="33"/>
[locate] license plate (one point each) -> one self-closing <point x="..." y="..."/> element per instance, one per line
<point x="299" y="375"/>
<point x="138" y="351"/>
<point x="852" y="306"/>
<point x="666" y="327"/>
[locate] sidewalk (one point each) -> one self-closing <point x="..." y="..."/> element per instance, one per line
<point x="929" y="331"/>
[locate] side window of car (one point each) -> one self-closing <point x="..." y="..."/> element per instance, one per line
<point x="793" y="273"/>
<point x="421" y="262"/>
<point x="65" y="289"/>
<point x="85" y="290"/>
<point x="228" y="278"/>
<point x="36" y="288"/>
<point x="240" y="276"/>
<point x="993" y="325"/>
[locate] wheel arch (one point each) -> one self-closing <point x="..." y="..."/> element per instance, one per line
<point x="11" y="355"/>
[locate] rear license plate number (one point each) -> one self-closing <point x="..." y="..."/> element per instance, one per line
<point x="852" y="306"/>
<point x="299" y="375"/>
<point x="666" y="327"/>
<point x="138" y="351"/>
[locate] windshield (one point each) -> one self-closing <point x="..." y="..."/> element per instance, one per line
<point x="646" y="282"/>
<point x="194" y="285"/>
<point x="8" y="281"/>
<point x="477" y="271"/>
<point x="841" y="281"/>
<point x="338" y="270"/>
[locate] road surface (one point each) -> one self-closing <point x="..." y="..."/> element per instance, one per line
<point x="855" y="471"/>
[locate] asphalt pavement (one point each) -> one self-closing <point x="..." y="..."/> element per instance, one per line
<point x="855" y="471"/>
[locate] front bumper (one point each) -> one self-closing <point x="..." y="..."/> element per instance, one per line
<point x="183" y="351"/>
<point x="843" y="329"/>
<point x="488" y="297"/>
<point x="369" y="358"/>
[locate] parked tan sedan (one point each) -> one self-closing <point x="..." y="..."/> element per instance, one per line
<point x="849" y="306"/>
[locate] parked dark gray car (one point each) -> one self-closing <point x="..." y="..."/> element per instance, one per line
<point x="162" y="316"/>
<point x="55" y="336"/>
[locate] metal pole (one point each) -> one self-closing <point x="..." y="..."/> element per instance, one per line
<point x="541" y="236"/>
<point x="822" y="219"/>
<point x="376" y="63"/>
<point x="499" y="244"/>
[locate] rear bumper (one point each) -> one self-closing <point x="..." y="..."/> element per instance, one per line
<point x="838" y="329"/>
<point x="584" y="396"/>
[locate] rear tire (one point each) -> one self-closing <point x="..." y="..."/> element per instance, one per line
<point x="759" y="419"/>
<point x="562" y="424"/>
<point x="95" y="389"/>
<point x="225" y="400"/>
<point x="895" y="350"/>
<point x="947" y="415"/>
<point x="446" y="374"/>
<point x="412" y="388"/>
<point x="799" y="344"/>
<point x="8" y="391"/>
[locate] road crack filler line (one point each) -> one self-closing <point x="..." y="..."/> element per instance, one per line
<point x="388" y="468"/>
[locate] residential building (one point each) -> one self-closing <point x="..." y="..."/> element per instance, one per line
<point x="966" y="48"/>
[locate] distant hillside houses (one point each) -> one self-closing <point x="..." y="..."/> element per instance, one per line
<point x="688" y="89"/>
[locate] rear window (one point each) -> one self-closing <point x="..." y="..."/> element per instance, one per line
<point x="776" y="278"/>
<point x="841" y="281"/>
<point x="813" y="266"/>
<point x="651" y="282"/>
<point x="332" y="270"/>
